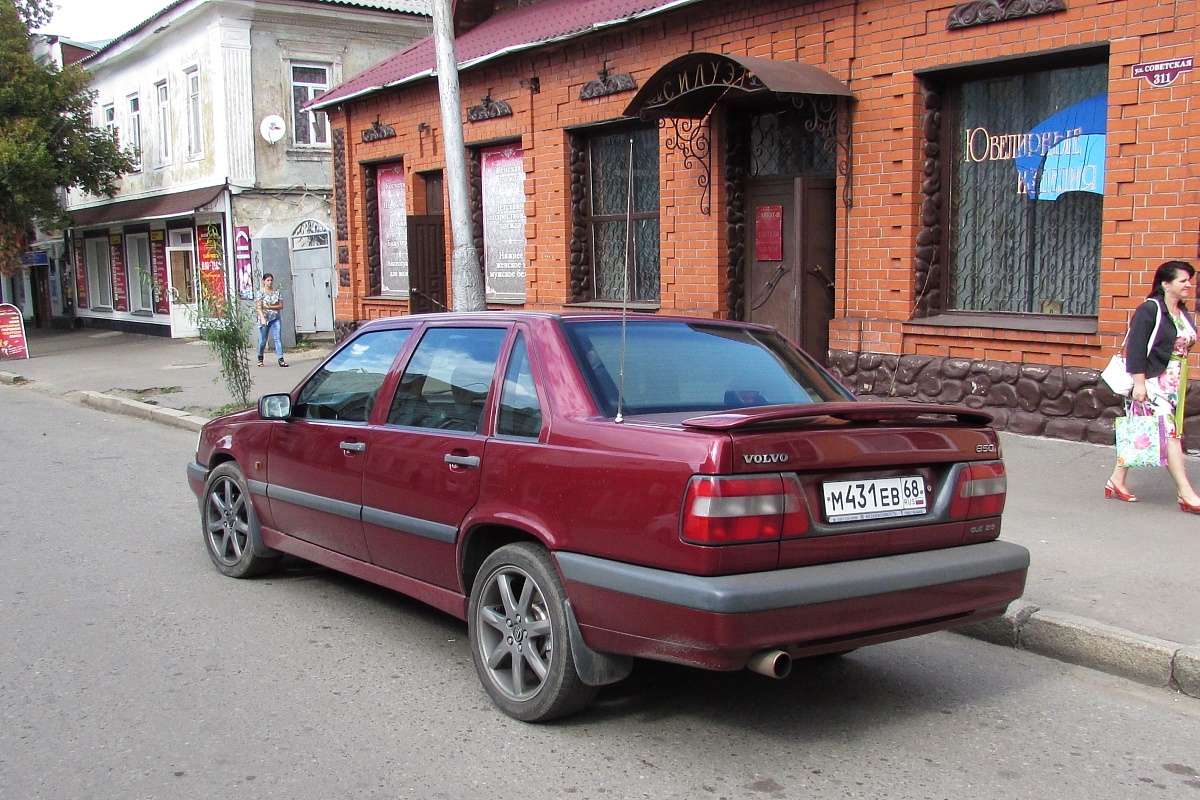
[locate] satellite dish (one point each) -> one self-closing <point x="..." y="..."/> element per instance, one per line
<point x="271" y="128"/>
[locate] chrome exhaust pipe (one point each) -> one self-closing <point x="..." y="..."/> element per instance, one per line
<point x="772" y="663"/>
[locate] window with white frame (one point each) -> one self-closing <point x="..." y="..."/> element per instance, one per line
<point x="137" y="261"/>
<point x="99" y="271"/>
<point x="163" y="102"/>
<point x="108" y="115"/>
<point x="134" y="132"/>
<point x="309" y="128"/>
<point x="195" y="142"/>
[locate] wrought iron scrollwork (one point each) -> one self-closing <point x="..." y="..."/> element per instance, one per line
<point x="716" y="71"/>
<point x="690" y="138"/>
<point x="829" y="117"/>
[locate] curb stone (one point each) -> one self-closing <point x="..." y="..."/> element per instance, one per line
<point x="11" y="377"/>
<point x="1086" y="643"/>
<point x="136" y="408"/>
<point x="1187" y="670"/>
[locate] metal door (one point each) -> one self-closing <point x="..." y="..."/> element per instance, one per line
<point x="312" y="277"/>
<point x="789" y="258"/>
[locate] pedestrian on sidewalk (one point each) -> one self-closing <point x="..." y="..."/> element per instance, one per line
<point x="1159" y="371"/>
<point x="268" y="304"/>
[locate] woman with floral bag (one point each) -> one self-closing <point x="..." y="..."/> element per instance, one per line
<point x="1159" y="369"/>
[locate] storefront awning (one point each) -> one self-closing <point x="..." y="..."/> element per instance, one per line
<point x="158" y="207"/>
<point x="691" y="85"/>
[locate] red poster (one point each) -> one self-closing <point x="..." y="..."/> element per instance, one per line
<point x="81" y="292"/>
<point x="768" y="233"/>
<point x="212" y="260"/>
<point x="12" y="333"/>
<point x="158" y="271"/>
<point x="120" y="276"/>
<point x="242" y="262"/>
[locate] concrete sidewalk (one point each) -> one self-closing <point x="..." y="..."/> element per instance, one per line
<point x="1114" y="586"/>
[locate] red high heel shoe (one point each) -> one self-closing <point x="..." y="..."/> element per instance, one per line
<point x="1187" y="508"/>
<point x="1111" y="491"/>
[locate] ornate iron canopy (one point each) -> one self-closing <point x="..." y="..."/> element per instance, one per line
<point x="691" y="85"/>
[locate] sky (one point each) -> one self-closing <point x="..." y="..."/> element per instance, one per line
<point x="92" y="20"/>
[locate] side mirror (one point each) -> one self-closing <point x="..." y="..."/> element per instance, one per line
<point x="275" y="406"/>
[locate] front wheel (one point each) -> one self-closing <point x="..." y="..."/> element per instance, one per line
<point x="520" y="642"/>
<point x="229" y="525"/>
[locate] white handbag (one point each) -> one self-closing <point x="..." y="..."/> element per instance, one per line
<point x="1116" y="374"/>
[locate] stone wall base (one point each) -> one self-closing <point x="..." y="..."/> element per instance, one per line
<point x="1058" y="402"/>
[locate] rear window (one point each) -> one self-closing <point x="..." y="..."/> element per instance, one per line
<point x="667" y="366"/>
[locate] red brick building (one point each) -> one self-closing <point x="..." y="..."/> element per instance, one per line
<point x="951" y="202"/>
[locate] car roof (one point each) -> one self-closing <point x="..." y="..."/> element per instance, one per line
<point x="450" y="317"/>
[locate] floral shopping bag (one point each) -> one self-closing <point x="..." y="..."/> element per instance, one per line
<point x="1141" y="438"/>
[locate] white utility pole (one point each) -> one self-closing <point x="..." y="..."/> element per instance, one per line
<point x="466" y="275"/>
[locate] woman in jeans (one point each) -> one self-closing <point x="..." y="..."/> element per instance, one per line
<point x="268" y="304"/>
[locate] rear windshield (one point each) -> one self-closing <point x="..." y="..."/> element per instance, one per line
<point x="672" y="366"/>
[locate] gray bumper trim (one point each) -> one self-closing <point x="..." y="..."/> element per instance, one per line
<point x="799" y="586"/>
<point x="197" y="471"/>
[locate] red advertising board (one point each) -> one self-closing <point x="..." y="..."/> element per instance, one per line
<point x="243" y="262"/>
<point x="768" y="233"/>
<point x="120" y="276"/>
<point x="12" y="333"/>
<point x="81" y="292"/>
<point x="212" y="260"/>
<point x="158" y="271"/>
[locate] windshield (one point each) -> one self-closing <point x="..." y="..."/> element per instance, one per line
<point x="679" y="366"/>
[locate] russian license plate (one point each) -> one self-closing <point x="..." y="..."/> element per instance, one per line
<point x="847" y="501"/>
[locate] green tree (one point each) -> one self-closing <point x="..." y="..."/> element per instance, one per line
<point x="34" y="13"/>
<point x="47" y="141"/>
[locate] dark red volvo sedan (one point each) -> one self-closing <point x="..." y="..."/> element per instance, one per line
<point x="588" y="489"/>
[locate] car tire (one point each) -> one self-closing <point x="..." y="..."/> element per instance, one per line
<point x="520" y="641"/>
<point x="230" y="525"/>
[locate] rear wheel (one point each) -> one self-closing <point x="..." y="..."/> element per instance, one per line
<point x="520" y="642"/>
<point x="229" y="524"/>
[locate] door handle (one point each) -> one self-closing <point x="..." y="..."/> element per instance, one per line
<point x="462" y="461"/>
<point x="820" y="273"/>
<point x="353" y="447"/>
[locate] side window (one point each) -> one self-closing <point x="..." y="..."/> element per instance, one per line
<point x="345" y="387"/>
<point x="520" y="414"/>
<point x="446" y="383"/>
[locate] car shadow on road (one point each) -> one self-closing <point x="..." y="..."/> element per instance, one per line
<point x="822" y="697"/>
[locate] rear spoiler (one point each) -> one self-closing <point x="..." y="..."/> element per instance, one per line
<point x="866" y="411"/>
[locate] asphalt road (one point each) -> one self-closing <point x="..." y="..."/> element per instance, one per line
<point x="132" y="669"/>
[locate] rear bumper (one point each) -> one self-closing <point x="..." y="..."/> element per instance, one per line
<point x="718" y="622"/>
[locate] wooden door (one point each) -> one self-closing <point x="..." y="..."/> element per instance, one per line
<point x="427" y="263"/>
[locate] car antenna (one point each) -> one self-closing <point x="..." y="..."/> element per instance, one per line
<point x="625" y="286"/>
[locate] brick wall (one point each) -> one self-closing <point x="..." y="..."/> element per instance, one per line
<point x="1151" y="203"/>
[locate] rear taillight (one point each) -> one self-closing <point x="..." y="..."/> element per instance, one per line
<point x="743" y="509"/>
<point x="980" y="492"/>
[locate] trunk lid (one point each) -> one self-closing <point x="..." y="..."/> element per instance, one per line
<point x="876" y="478"/>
